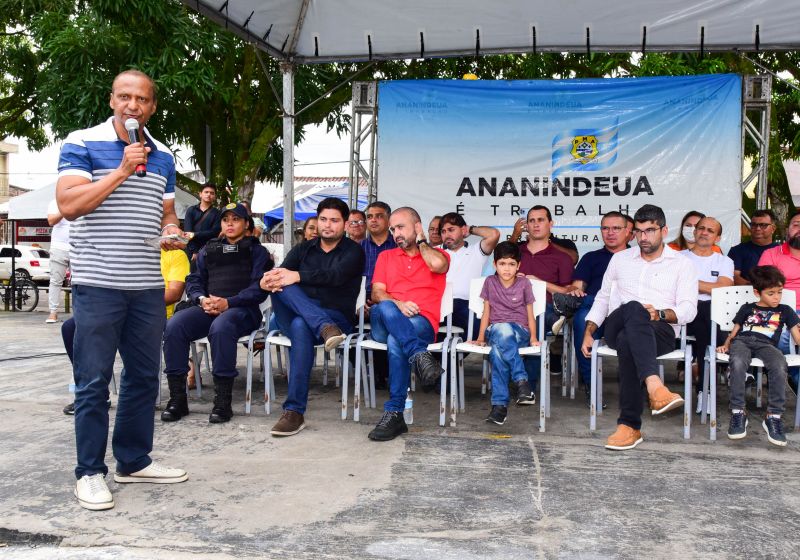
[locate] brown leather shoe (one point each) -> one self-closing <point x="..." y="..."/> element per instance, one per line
<point x="624" y="438"/>
<point x="289" y="424"/>
<point x="332" y="335"/>
<point x="663" y="400"/>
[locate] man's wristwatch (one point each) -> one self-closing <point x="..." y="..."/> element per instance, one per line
<point x="200" y="300"/>
<point x="662" y="315"/>
<point x="421" y="241"/>
<point x="470" y="230"/>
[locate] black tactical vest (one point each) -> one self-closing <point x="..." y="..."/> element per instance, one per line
<point x="229" y="266"/>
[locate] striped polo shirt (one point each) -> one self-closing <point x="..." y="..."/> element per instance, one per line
<point x="108" y="248"/>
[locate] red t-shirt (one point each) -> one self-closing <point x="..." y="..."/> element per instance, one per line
<point x="409" y="279"/>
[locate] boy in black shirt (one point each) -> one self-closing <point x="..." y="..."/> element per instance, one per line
<point x="756" y="331"/>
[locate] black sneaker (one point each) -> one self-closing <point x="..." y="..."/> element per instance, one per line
<point x="69" y="410"/>
<point x="525" y="394"/>
<point x="588" y="393"/>
<point x="497" y="415"/>
<point x="389" y="427"/>
<point x="566" y="305"/>
<point x="428" y="369"/>
<point x="738" y="426"/>
<point x="774" y="428"/>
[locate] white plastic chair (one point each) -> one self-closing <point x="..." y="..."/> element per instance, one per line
<point x="367" y="344"/>
<point x="257" y="335"/>
<point x="459" y="348"/>
<point x="725" y="302"/>
<point x="601" y="350"/>
<point x="275" y="338"/>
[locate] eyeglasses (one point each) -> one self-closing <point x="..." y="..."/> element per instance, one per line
<point x="356" y="222"/>
<point x="615" y="229"/>
<point x="649" y="232"/>
<point x="759" y="226"/>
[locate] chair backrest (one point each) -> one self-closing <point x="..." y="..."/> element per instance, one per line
<point x="361" y="302"/>
<point x="276" y="250"/>
<point x="446" y="309"/>
<point x="725" y="302"/>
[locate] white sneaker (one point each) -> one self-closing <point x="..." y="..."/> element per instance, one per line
<point x="698" y="409"/>
<point x="155" y="474"/>
<point x="558" y="325"/>
<point x="93" y="493"/>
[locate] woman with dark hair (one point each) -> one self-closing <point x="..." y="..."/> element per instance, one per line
<point x="685" y="239"/>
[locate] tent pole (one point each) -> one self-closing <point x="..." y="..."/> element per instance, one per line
<point x="287" y="69"/>
<point x="13" y="264"/>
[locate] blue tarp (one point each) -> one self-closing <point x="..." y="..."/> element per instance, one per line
<point x="306" y="207"/>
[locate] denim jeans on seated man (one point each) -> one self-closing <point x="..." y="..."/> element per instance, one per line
<point x="301" y="319"/>
<point x="533" y="364"/>
<point x="579" y="328"/>
<point x="461" y="318"/>
<point x="783" y="346"/>
<point x="507" y="365"/>
<point x="405" y="337"/>
<point x="105" y="320"/>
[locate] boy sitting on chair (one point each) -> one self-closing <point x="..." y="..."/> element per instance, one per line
<point x="756" y="330"/>
<point x="226" y="294"/>
<point x="508" y="324"/>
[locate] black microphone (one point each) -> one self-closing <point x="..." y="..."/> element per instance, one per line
<point x="132" y="126"/>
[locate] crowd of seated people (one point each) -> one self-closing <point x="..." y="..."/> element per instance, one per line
<point x="406" y="266"/>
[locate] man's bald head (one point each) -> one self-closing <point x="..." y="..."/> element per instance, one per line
<point x="137" y="74"/>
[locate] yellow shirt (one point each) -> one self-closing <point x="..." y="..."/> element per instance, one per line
<point x="174" y="268"/>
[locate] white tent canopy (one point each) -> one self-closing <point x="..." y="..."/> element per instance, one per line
<point x="307" y="31"/>
<point x="33" y="205"/>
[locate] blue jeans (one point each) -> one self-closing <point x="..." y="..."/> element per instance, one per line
<point x="533" y="364"/>
<point x="107" y="320"/>
<point x="783" y="346"/>
<point x="223" y="332"/>
<point x="301" y="319"/>
<point x="506" y="339"/>
<point x="579" y="327"/>
<point x="405" y="337"/>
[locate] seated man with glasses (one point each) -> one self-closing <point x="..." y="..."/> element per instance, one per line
<point x="586" y="282"/>
<point x="745" y="255"/>
<point x="357" y="225"/>
<point x="646" y="293"/>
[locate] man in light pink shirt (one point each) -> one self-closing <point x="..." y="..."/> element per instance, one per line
<point x="786" y="258"/>
<point x="647" y="293"/>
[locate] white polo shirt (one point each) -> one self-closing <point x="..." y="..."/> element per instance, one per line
<point x="710" y="269"/>
<point x="465" y="264"/>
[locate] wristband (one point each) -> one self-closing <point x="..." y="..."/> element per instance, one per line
<point x="166" y="226"/>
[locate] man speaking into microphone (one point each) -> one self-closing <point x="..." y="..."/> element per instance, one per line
<point x="117" y="186"/>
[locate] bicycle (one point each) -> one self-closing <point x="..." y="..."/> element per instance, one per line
<point x="25" y="296"/>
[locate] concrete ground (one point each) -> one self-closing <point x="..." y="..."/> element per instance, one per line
<point x="469" y="492"/>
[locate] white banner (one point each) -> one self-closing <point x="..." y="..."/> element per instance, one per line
<point x="492" y="149"/>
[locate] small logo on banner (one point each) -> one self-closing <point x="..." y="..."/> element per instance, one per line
<point x="584" y="149"/>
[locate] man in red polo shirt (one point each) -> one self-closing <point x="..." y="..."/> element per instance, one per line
<point x="407" y="289"/>
<point x="786" y="257"/>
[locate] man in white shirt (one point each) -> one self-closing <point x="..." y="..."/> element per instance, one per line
<point x="655" y="291"/>
<point x="59" y="258"/>
<point x="714" y="270"/>
<point x="466" y="261"/>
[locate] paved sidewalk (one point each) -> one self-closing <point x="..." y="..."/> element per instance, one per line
<point x="466" y="493"/>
